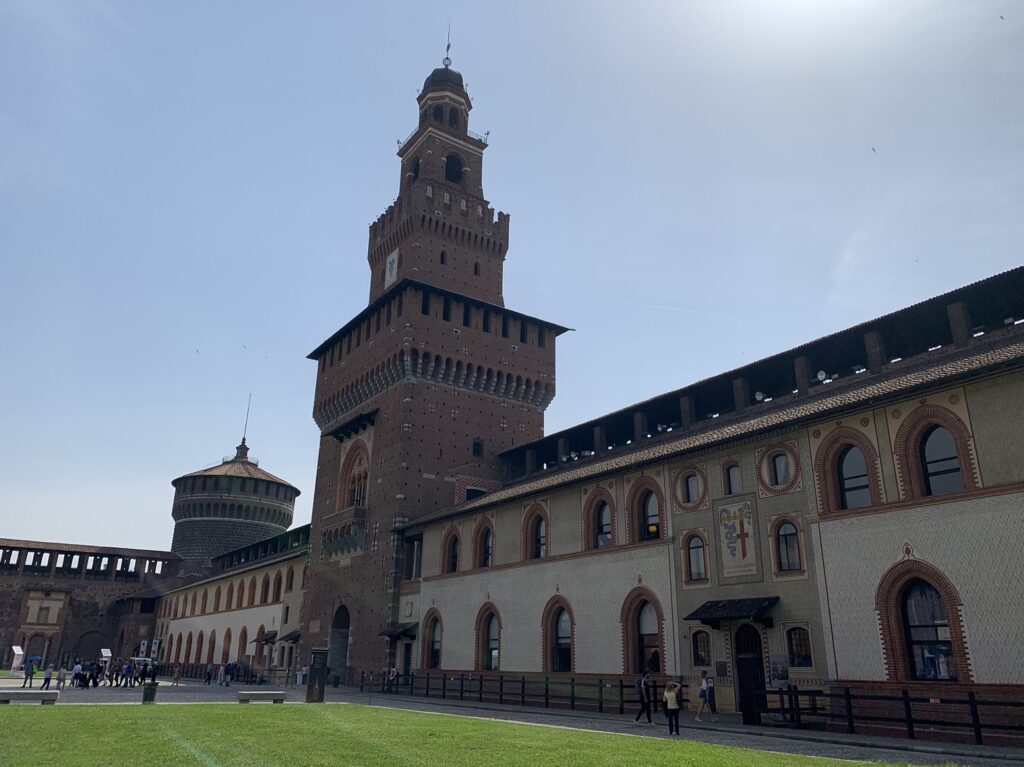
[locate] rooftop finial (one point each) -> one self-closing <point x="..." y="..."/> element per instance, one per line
<point x="448" y="48"/>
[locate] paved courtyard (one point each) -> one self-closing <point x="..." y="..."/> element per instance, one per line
<point x="726" y="731"/>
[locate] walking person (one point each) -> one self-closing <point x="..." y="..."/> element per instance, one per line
<point x="706" y="695"/>
<point x="47" y="674"/>
<point x="176" y="675"/>
<point x="221" y="676"/>
<point x="671" y="699"/>
<point x="644" y="693"/>
<point x="30" y="670"/>
<point x="76" y="674"/>
<point x="209" y="673"/>
<point x="392" y="678"/>
<point x="62" y="677"/>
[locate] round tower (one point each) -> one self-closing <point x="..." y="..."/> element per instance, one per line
<point x="227" y="506"/>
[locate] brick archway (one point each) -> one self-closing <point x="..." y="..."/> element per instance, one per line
<point x="826" y="467"/>
<point x="907" y="444"/>
<point x="628" y="615"/>
<point x="889" y="606"/>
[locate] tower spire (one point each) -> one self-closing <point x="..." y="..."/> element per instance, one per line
<point x="448" y="48"/>
<point x="242" y="451"/>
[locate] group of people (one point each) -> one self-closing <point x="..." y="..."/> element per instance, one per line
<point x="114" y="673"/>
<point x="672" y="700"/>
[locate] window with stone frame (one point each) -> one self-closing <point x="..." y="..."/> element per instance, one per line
<point x="798" y="646"/>
<point x="700" y="649"/>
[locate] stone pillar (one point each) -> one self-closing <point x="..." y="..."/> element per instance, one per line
<point x="600" y="439"/>
<point x="639" y="426"/>
<point x="874" y="345"/>
<point x="803" y="372"/>
<point x="687" y="411"/>
<point x="563" y="447"/>
<point x="959" y="323"/>
<point x="741" y="393"/>
<point x="531" y="460"/>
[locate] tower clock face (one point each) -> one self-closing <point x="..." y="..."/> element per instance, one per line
<point x="391" y="269"/>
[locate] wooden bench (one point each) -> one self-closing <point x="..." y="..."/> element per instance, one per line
<point x="274" y="696"/>
<point x="43" y="696"/>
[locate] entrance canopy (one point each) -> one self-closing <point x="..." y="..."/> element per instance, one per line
<point x="397" y="631"/>
<point x="754" y="609"/>
<point x="291" y="637"/>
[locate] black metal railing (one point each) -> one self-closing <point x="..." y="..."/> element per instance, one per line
<point x="604" y="695"/>
<point x="969" y="717"/>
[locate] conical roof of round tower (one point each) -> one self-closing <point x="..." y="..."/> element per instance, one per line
<point x="238" y="466"/>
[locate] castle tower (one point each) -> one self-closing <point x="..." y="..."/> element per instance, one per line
<point x="227" y="506"/>
<point x="420" y="392"/>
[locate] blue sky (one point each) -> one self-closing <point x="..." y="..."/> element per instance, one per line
<point x="185" y="190"/>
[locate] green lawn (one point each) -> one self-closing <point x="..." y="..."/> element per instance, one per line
<point x="313" y="735"/>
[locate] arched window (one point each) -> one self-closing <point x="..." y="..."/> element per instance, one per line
<point x="216" y="600"/>
<point x="437" y="113"/>
<point x="204" y="602"/>
<point x="277" y="587"/>
<point x="240" y="593"/>
<point x="602" y="526"/>
<point x="798" y="643"/>
<point x="538" y="538"/>
<point x="854" y="491"/>
<point x="354" y="477"/>
<point x="192" y="604"/>
<point x="199" y="649"/>
<point x="243" y="644"/>
<point x="451" y="554"/>
<point x="648" y="658"/>
<point x="926" y="626"/>
<point x="787" y="548"/>
<point x="252" y="593"/>
<point x="691" y="488"/>
<point x="733" y="479"/>
<point x="212" y="646"/>
<point x="490" y="643"/>
<point x="696" y="568"/>
<point x="230" y="597"/>
<point x="779" y="467"/>
<point x="940" y="462"/>
<point x="453" y="166"/>
<point x="485" y="548"/>
<point x="432" y="638"/>
<point x="225" y="653"/>
<point x="188" y="648"/>
<point x="265" y="589"/>
<point x="289" y="581"/>
<point x="649" y="515"/>
<point x="561" y="644"/>
<point x="453" y="118"/>
<point x="700" y="648"/>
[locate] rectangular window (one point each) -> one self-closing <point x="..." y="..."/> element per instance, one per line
<point x="504" y="326"/>
<point x="43" y="615"/>
<point x="286" y="611"/>
<point x="413" y="552"/>
<point x="446" y="310"/>
<point x="387" y="319"/>
<point x="425" y="303"/>
<point x="466" y="315"/>
<point x="399" y="310"/>
<point x="540" y="336"/>
<point x="487" y="321"/>
<point x="478" y="448"/>
<point x="522" y="331"/>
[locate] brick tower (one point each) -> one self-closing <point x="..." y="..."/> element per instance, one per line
<point x="420" y="392"/>
<point x="226" y="506"/>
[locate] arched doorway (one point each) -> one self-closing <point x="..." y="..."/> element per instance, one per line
<point x="749" y="672"/>
<point x="337" y="653"/>
<point x="89" y="644"/>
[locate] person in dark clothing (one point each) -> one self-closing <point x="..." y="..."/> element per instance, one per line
<point x="644" y="694"/>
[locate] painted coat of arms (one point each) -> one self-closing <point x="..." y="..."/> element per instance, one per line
<point x="737" y="539"/>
